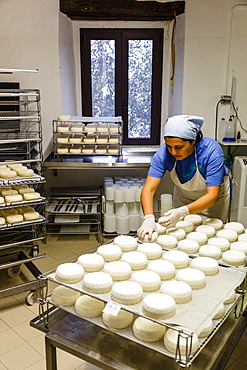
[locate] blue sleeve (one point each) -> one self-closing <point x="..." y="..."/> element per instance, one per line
<point x="213" y="163"/>
<point x="160" y="163"/>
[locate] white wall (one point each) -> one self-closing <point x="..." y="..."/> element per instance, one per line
<point x="29" y="40"/>
<point x="33" y="34"/>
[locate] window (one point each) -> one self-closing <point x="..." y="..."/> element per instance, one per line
<point x="121" y="76"/>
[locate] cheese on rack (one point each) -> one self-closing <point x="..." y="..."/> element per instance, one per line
<point x="147" y="330"/>
<point x="7" y="174"/>
<point x="97" y="282"/>
<point x="149" y="280"/>
<point x="69" y="273"/>
<point x="136" y="260"/>
<point x="158" y="306"/>
<point x="151" y="250"/>
<point x="126" y="242"/>
<point x="87" y="306"/>
<point x="206" y="264"/>
<point x="110" y="252"/>
<point x="180" y="291"/>
<point x="195" y="278"/>
<point x="165" y="269"/>
<point x="126" y="292"/>
<point x="28" y="216"/>
<point x="91" y="262"/>
<point x="64" y="296"/>
<point x="171" y="341"/>
<point x="122" y="320"/>
<point x="118" y="270"/>
<point x="178" y="258"/>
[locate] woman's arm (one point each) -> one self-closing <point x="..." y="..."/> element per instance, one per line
<point x="206" y="201"/>
<point x="147" y="194"/>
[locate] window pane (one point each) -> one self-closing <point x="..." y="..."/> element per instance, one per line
<point x="103" y="77"/>
<point x="140" y="56"/>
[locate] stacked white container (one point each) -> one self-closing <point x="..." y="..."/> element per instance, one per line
<point x="121" y="205"/>
<point x="165" y="203"/>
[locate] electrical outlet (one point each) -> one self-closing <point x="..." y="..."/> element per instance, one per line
<point x="226" y="98"/>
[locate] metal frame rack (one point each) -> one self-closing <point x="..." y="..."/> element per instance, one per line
<point x="92" y="341"/>
<point x="21" y="142"/>
<point x="74" y="211"/>
<point x="105" y="146"/>
<point x="20" y="131"/>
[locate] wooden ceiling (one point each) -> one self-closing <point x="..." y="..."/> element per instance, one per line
<point x="131" y="10"/>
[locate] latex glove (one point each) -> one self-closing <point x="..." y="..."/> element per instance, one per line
<point x="171" y="217"/>
<point x="148" y="227"/>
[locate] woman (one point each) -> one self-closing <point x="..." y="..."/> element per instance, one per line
<point x="196" y="167"/>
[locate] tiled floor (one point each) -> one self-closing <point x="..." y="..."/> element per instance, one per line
<point x="22" y="347"/>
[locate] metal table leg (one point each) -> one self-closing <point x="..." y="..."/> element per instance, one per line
<point x="51" y="354"/>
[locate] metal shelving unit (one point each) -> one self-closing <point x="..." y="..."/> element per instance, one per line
<point x="21" y="142"/>
<point x="106" y="140"/>
<point x="74" y="211"/>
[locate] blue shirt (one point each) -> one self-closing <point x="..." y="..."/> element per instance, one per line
<point x="210" y="161"/>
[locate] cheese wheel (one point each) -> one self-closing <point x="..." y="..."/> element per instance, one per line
<point x="230" y="298"/>
<point x="6" y="188"/>
<point x="179" y="233"/>
<point x="178" y="258"/>
<point x="165" y="269"/>
<point x="77" y="128"/>
<point x="63" y="128"/>
<point x="147" y="330"/>
<point x="63" y="139"/>
<point x="91" y="262"/>
<point x="2" y="221"/>
<point x="207" y="328"/>
<point x="187" y="226"/>
<point x="119" y="270"/>
<point x="167" y="241"/>
<point x="151" y="250"/>
<point x="88" y="150"/>
<point x="18" y="187"/>
<point x="136" y="260"/>
<point x="75" y="140"/>
<point x="234" y="258"/>
<point x="31" y="196"/>
<point x="126" y="292"/>
<point x="9" y="192"/>
<point x="188" y="246"/>
<point x="122" y="320"/>
<point x="207" y="265"/>
<point x="220" y="312"/>
<point x="110" y="252"/>
<point x="215" y="222"/>
<point x="31" y="216"/>
<point x="149" y="280"/>
<point x="75" y="150"/>
<point x="69" y="273"/>
<point x="210" y="251"/>
<point x="25" y="209"/>
<point x="239" y="246"/>
<point x="13" y="198"/>
<point x="64" y="118"/>
<point x="25" y="172"/>
<point x="206" y="229"/>
<point x="242" y="238"/>
<point x="90" y="127"/>
<point x="222" y="243"/>
<point x="158" y="306"/>
<point x="64" y="296"/>
<point x="126" y="242"/>
<point x="87" y="306"/>
<point x="97" y="282"/>
<point x="11" y="219"/>
<point x="154" y="237"/>
<point x="195" y="219"/>
<point x="102" y="127"/>
<point x="171" y="341"/>
<point x="195" y="278"/>
<point x="180" y="291"/>
<point x="1" y="199"/>
<point x="5" y="174"/>
<point x="26" y="190"/>
<point x="62" y="150"/>
<point x="230" y="235"/>
<point x="14" y="166"/>
<point x="236" y="226"/>
<point x="199" y="237"/>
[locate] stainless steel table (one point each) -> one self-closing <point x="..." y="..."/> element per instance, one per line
<point x="108" y="350"/>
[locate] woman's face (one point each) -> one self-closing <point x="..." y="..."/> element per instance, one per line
<point x="179" y="148"/>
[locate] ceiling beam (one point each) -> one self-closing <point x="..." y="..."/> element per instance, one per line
<point x="121" y="10"/>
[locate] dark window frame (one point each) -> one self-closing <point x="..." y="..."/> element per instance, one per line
<point x="121" y="76"/>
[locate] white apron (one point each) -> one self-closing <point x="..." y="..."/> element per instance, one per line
<point x="196" y="188"/>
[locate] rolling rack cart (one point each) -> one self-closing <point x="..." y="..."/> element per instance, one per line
<point x="92" y="341"/>
<point x="21" y="142"/>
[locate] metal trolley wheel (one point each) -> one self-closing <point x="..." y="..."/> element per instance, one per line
<point x="31" y="298"/>
<point x="14" y="271"/>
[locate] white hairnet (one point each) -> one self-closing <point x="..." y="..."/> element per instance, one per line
<point x="183" y="126"/>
